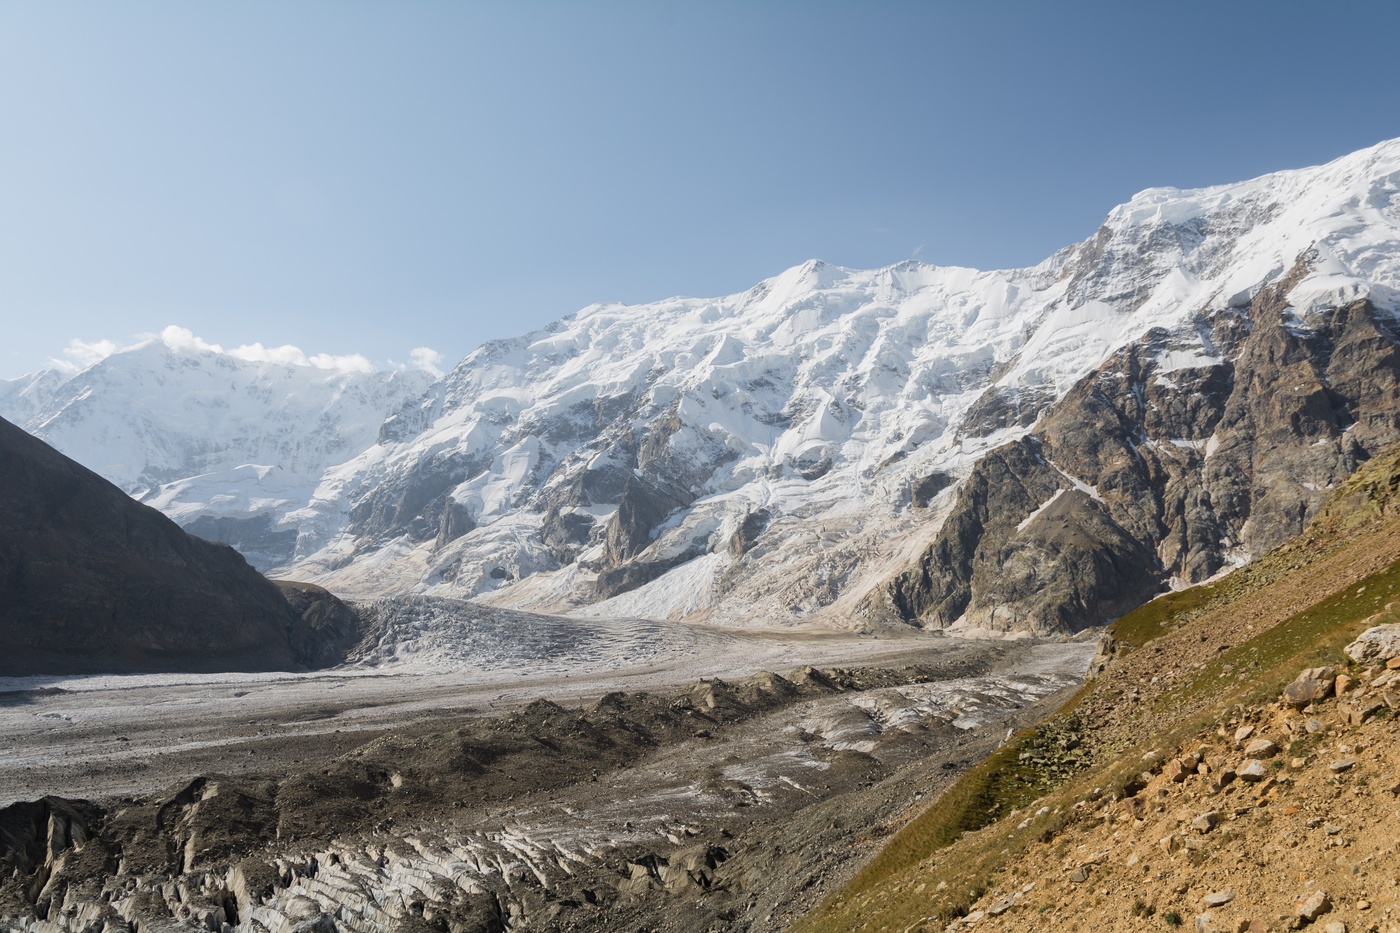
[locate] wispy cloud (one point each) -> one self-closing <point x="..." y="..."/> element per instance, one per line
<point x="427" y="359"/>
<point x="80" y="354"/>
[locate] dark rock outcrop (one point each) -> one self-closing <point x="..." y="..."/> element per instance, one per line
<point x="424" y="510"/>
<point x="326" y="629"/>
<point x="91" y="581"/>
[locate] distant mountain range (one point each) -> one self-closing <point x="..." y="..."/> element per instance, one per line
<point x="1024" y="450"/>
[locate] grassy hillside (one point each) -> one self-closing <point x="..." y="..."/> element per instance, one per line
<point x="1182" y="665"/>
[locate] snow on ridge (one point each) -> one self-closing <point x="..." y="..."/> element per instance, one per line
<point x="1234" y="238"/>
<point x="197" y="431"/>
<point x="832" y="389"/>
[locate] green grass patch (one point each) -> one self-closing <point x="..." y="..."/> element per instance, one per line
<point x="1152" y="620"/>
<point x="1312" y="638"/>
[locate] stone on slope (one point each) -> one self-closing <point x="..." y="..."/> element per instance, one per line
<point x="1315" y="683"/>
<point x="1380" y="643"/>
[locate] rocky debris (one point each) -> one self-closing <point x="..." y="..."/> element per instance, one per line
<point x="598" y="818"/>
<point x="1176" y="836"/>
<point x="1380" y="643"/>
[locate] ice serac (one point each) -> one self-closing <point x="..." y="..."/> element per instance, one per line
<point x="91" y="581"/>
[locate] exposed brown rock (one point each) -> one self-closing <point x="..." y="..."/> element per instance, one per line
<point x="1315" y="683"/>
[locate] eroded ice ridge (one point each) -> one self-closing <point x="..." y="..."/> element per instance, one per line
<point x="652" y="830"/>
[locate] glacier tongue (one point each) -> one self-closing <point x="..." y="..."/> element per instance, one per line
<point x="765" y="456"/>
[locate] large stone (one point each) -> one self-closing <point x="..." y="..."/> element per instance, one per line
<point x="1261" y="748"/>
<point x="1313" y="684"/>
<point x="1253" y="770"/>
<point x="1363" y="709"/>
<point x="1380" y="643"/>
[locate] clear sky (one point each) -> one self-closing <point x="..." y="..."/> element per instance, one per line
<point x="368" y="178"/>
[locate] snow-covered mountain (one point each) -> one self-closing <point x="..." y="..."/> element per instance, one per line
<point x="1032" y="448"/>
<point x="222" y="444"/>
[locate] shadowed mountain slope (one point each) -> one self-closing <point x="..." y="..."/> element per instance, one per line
<point x="91" y="581"/>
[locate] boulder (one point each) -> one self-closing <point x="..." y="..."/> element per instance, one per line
<point x="1313" y="684"/>
<point x="1261" y="748"/>
<point x="1380" y="643"/>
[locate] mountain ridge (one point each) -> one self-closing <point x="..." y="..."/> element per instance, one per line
<point x="613" y="462"/>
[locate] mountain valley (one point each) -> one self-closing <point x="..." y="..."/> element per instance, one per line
<point x="918" y="598"/>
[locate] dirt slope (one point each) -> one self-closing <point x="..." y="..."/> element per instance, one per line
<point x="1063" y="827"/>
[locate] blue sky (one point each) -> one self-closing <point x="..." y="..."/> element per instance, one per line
<point x="374" y="177"/>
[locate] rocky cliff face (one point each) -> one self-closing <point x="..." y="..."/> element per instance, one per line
<point x="91" y="581"/>
<point x="1143" y="475"/>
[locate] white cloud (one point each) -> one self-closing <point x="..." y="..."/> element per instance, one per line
<point x="351" y="361"/>
<point x="81" y="354"/>
<point x="428" y="360"/>
<point x="182" y="338"/>
<point x="257" y="353"/>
